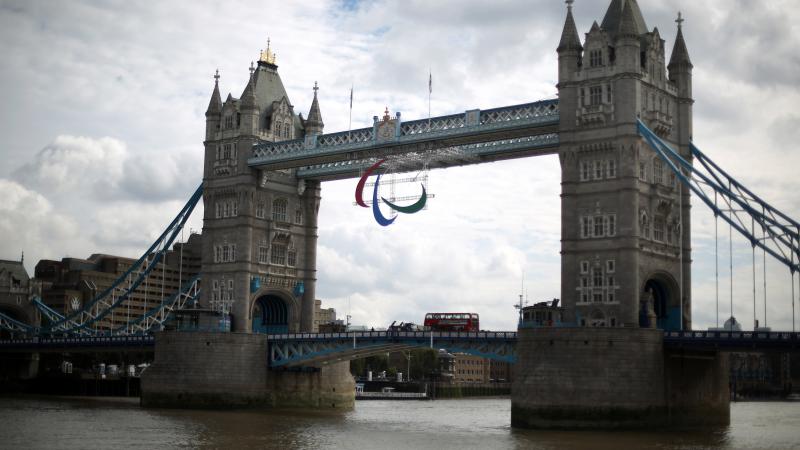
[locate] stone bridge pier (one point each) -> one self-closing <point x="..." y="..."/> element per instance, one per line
<point x="229" y="370"/>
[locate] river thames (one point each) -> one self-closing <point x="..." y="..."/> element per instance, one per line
<point x="103" y="423"/>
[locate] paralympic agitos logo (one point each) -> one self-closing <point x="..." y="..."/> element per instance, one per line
<point x="376" y="211"/>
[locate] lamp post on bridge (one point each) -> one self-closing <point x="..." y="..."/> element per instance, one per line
<point x="408" y="364"/>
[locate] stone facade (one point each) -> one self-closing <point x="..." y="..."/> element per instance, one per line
<point x="16" y="291"/>
<point x="259" y="227"/>
<point x="67" y="285"/>
<point x="625" y="219"/>
<point x="322" y="316"/>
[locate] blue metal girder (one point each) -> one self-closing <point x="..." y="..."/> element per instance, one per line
<point x="471" y="153"/>
<point x="304" y="349"/>
<point x="780" y="234"/>
<point x="13" y="325"/>
<point x="444" y="132"/>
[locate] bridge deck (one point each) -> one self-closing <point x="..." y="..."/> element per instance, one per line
<point x="459" y="139"/>
<point x="302" y="348"/>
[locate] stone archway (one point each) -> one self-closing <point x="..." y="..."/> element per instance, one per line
<point x="661" y="293"/>
<point x="271" y="314"/>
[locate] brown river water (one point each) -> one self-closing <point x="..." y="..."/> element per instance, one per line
<point x="103" y="423"/>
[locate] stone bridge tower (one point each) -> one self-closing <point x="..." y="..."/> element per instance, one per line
<point x="626" y="253"/>
<point x="259" y="228"/>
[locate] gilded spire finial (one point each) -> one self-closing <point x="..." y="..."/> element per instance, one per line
<point x="679" y="20"/>
<point x="267" y="55"/>
<point x="216" y="76"/>
<point x="316" y="88"/>
<point x="252" y="68"/>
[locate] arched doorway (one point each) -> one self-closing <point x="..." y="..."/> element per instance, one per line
<point x="271" y="315"/>
<point x="665" y="300"/>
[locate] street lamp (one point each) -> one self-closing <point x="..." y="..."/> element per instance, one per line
<point x="408" y="365"/>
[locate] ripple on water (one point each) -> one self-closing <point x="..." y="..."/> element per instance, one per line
<point x="56" y="423"/>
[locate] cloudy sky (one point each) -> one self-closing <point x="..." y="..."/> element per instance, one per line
<point x="103" y="121"/>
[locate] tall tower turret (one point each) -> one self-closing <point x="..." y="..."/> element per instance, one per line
<point x="314" y="124"/>
<point x="249" y="108"/>
<point x="680" y="66"/>
<point x="625" y="220"/>
<point x="628" y="49"/>
<point x="569" y="48"/>
<point x="259" y="227"/>
<point x="214" y="110"/>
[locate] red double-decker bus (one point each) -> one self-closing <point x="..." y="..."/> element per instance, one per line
<point x="452" y="321"/>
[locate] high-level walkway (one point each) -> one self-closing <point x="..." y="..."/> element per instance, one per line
<point x="472" y="137"/>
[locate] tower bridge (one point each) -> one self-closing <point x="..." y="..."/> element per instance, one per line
<point x="626" y="354"/>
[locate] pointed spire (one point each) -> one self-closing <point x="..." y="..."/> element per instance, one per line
<point x="267" y="57"/>
<point x="569" y="36"/>
<point x="627" y="23"/>
<point x="314" y="122"/>
<point x="249" y="94"/>
<point x="680" y="55"/>
<point x="215" y="105"/>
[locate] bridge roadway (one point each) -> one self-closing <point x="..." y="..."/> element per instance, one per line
<point x="316" y="349"/>
<point x="471" y="137"/>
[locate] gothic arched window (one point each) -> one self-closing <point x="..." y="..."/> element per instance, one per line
<point x="279" y="207"/>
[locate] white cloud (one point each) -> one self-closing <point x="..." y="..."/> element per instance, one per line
<point x="29" y="224"/>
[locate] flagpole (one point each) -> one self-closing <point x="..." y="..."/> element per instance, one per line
<point x="350" y="124"/>
<point x="430" y="89"/>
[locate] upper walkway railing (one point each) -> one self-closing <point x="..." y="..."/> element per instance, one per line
<point x="304" y="348"/>
<point x="334" y="153"/>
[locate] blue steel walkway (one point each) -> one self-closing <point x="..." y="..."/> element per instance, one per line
<point x="312" y="349"/>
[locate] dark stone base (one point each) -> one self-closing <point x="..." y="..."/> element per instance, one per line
<point x="229" y="370"/>
<point x="614" y="378"/>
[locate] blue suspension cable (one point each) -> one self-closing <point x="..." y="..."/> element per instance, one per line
<point x="755" y="317"/>
<point x="716" y="254"/>
<point x="730" y="259"/>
